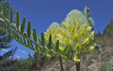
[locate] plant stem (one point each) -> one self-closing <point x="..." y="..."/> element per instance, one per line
<point x="61" y="65"/>
<point x="77" y="66"/>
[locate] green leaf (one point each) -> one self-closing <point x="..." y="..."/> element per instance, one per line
<point x="17" y="20"/>
<point x="50" y="42"/>
<point x="65" y="50"/>
<point x="51" y="58"/>
<point x="9" y="30"/>
<point x="95" y="40"/>
<point x="28" y="43"/>
<point x="87" y="12"/>
<point x="0" y="9"/>
<point x="109" y="66"/>
<point x="12" y="33"/>
<point x="4" y="9"/>
<point x="31" y="44"/>
<point x="24" y="41"/>
<point x="70" y="56"/>
<point x="20" y="39"/>
<point x="17" y="36"/>
<point x="4" y="27"/>
<point x="37" y="49"/>
<point x="57" y="46"/>
<point x="25" y="34"/>
<point x="34" y="35"/>
<point x="42" y="40"/>
<point x="11" y="15"/>
<point x="23" y="24"/>
<point x="29" y="29"/>
<point x="97" y="47"/>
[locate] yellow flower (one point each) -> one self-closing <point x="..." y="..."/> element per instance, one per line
<point x="75" y="37"/>
<point x="78" y="27"/>
<point x="72" y="29"/>
<point x="46" y="38"/>
<point x="88" y="28"/>
<point x="67" y="41"/>
<point x="75" y="29"/>
<point x="77" y="60"/>
<point x="83" y="25"/>
<point x="64" y="25"/>
<point x="45" y="34"/>
<point x="91" y="35"/>
<point x="86" y="41"/>
<point x="90" y="50"/>
<point x="83" y="32"/>
<point x="63" y="33"/>
<point x="61" y="48"/>
<point x="59" y="29"/>
<point x="78" y="48"/>
<point x="47" y="31"/>
<point x="48" y="55"/>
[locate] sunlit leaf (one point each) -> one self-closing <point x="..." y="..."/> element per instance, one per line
<point x="42" y="40"/>
<point x="20" y="39"/>
<point x="34" y="35"/>
<point x="9" y="30"/>
<point x="17" y="20"/>
<point x="50" y="42"/>
<point x="4" y="9"/>
<point x="29" y="29"/>
<point x="57" y="46"/>
<point x="11" y="15"/>
<point x="24" y="41"/>
<point x="0" y="9"/>
<point x="12" y="33"/>
<point x="28" y="43"/>
<point x="23" y="24"/>
<point x="65" y="50"/>
<point x="31" y="44"/>
<point x="70" y="56"/>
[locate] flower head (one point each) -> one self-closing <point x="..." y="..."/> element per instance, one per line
<point x="75" y="32"/>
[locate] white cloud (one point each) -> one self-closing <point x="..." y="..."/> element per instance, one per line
<point x="17" y="56"/>
<point x="22" y="51"/>
<point x="5" y="50"/>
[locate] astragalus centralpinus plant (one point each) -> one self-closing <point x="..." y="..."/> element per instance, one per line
<point x="76" y="33"/>
<point x="70" y="41"/>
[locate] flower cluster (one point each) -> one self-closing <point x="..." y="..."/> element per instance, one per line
<point x="75" y="32"/>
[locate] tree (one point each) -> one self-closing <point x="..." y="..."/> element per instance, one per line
<point x="108" y="29"/>
<point x="5" y="40"/>
<point x="34" y="63"/>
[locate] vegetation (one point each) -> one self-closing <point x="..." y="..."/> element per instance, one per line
<point x="49" y="48"/>
<point x="6" y="62"/>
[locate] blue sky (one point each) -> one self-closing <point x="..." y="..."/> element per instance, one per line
<point x="42" y="13"/>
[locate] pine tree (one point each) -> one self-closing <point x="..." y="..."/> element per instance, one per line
<point x="5" y="40"/>
<point x="108" y="31"/>
<point x="37" y="62"/>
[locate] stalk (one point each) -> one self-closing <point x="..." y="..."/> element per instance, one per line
<point x="61" y="65"/>
<point x="77" y="66"/>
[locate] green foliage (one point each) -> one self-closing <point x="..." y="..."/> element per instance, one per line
<point x="5" y="40"/>
<point x="108" y="29"/>
<point x="37" y="62"/>
<point x="50" y="41"/>
<point x="4" y="10"/>
<point x="109" y="66"/>
<point x="10" y="14"/>
<point x="57" y="46"/>
<point x="16" y="20"/>
<point x="26" y="36"/>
